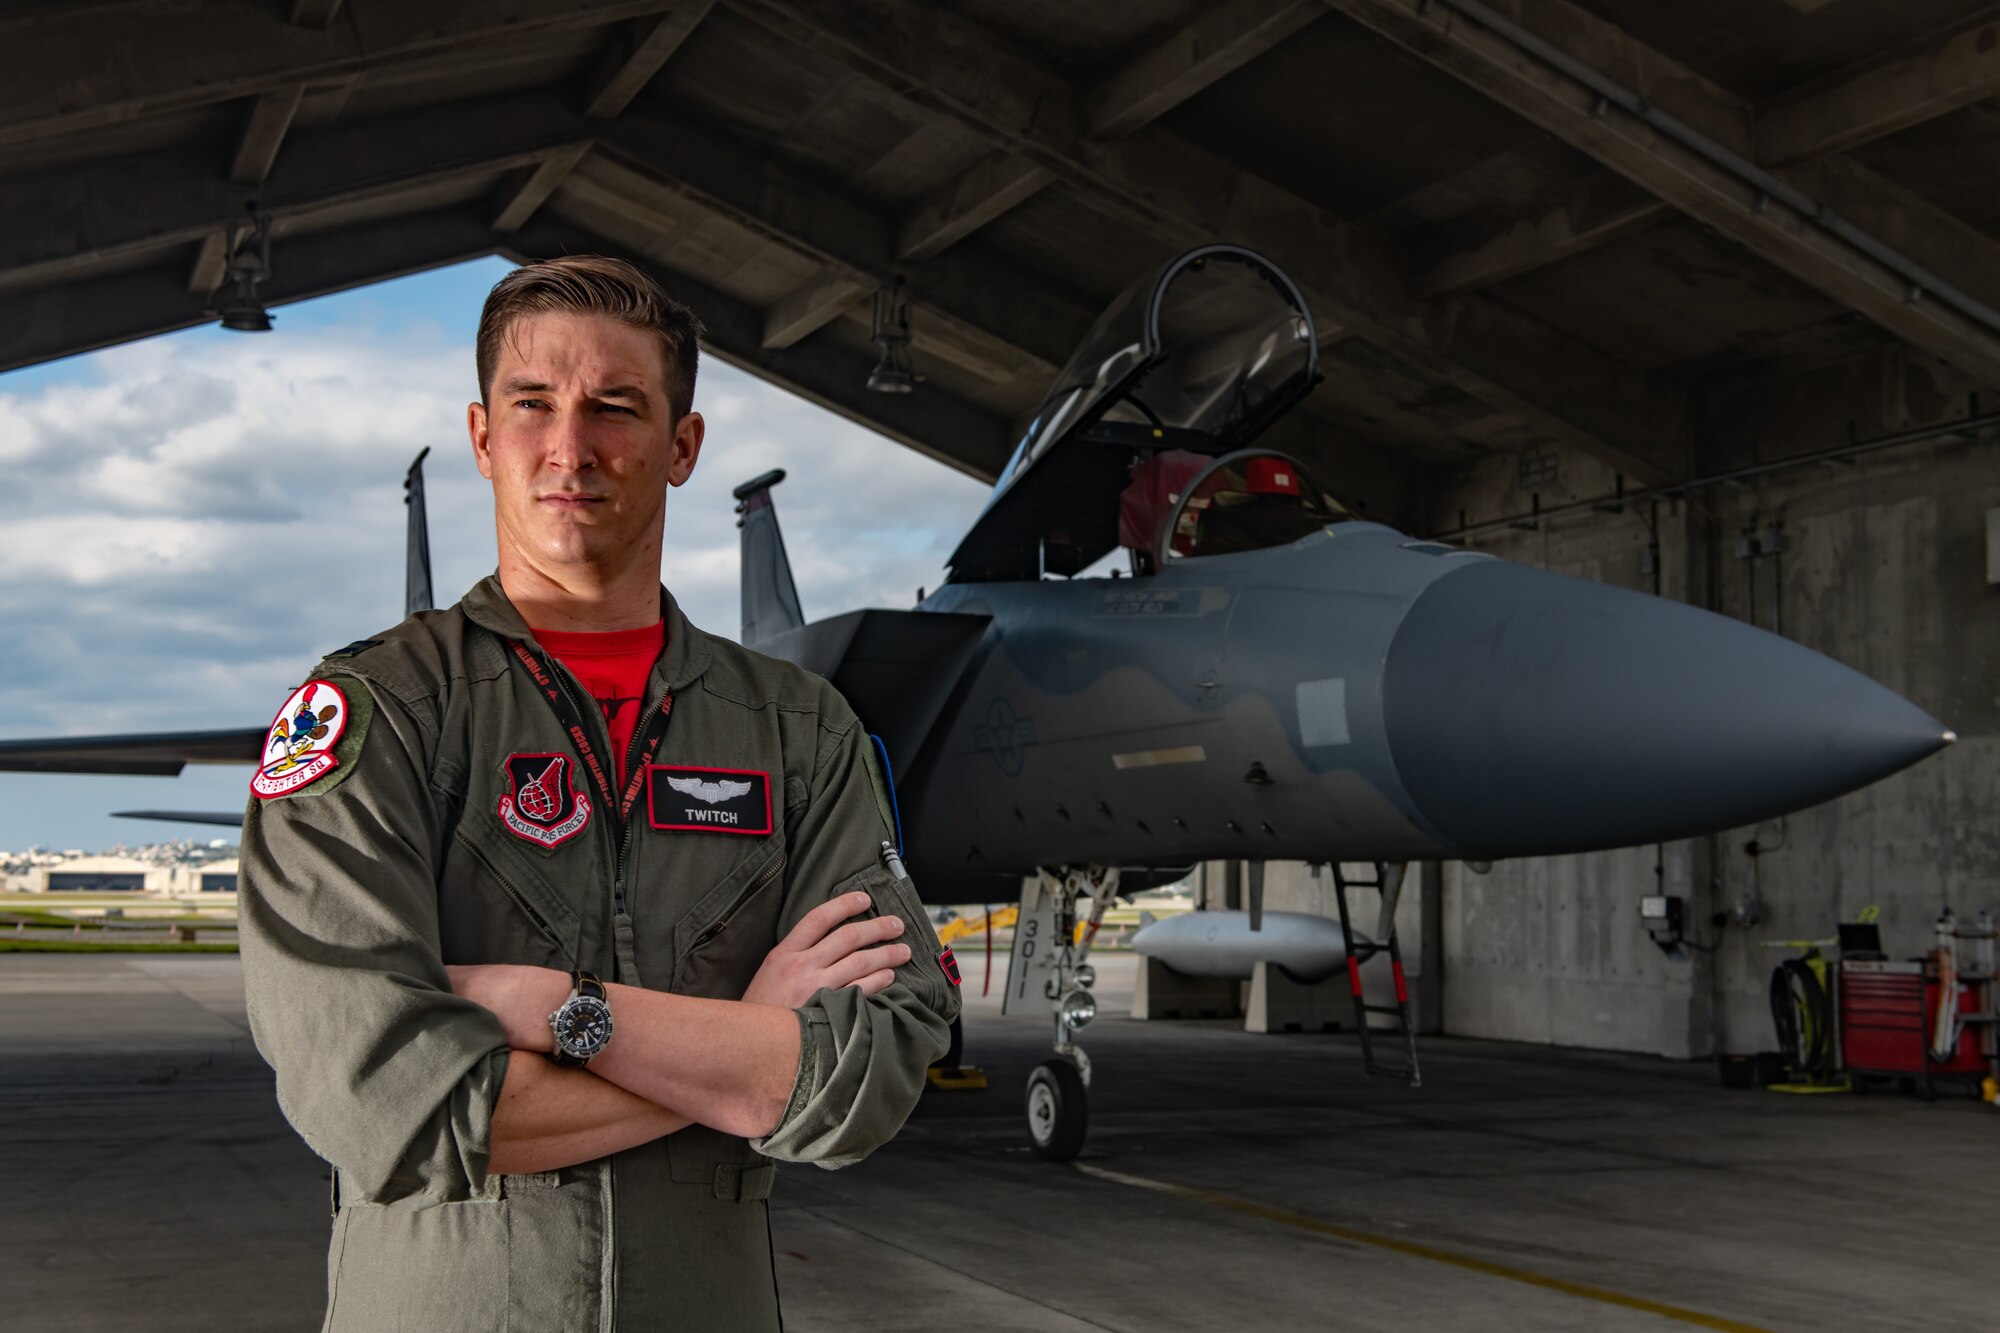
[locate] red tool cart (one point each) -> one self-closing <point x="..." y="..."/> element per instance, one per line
<point x="1889" y="1012"/>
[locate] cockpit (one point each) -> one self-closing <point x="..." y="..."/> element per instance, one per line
<point x="1183" y="504"/>
<point x="1145" y="440"/>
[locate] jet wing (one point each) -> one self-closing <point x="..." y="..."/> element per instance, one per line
<point x="161" y="754"/>
<point x="897" y="668"/>
<point x="226" y="818"/>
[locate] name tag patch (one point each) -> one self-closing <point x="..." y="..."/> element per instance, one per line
<point x="710" y="800"/>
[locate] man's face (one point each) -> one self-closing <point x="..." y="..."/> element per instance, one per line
<point x="580" y="443"/>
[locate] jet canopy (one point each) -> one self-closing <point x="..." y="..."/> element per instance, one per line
<point x="1200" y="356"/>
<point x="1184" y="504"/>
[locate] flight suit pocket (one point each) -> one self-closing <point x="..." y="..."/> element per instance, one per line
<point x="443" y="1267"/>
<point x="722" y="940"/>
<point x="924" y="973"/>
<point x="478" y="880"/>
<point x="556" y="1239"/>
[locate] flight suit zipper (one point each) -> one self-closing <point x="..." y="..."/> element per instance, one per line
<point x="756" y="886"/>
<point x="623" y="834"/>
<point x="623" y="850"/>
<point x="507" y="886"/>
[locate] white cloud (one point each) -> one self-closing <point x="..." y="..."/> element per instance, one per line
<point x="183" y="536"/>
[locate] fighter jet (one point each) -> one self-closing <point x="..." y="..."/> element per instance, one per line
<point x="1268" y="675"/>
<point x="1276" y="678"/>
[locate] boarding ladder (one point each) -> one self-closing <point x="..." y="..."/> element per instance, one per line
<point x="1388" y="884"/>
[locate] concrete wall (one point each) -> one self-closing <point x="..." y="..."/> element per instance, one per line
<point x="1884" y="569"/>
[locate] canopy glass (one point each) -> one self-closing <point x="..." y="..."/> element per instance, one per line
<point x="1216" y="341"/>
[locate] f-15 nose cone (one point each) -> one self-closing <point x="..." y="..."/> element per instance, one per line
<point x="1530" y="713"/>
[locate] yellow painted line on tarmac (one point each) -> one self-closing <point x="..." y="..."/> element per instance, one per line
<point x="1179" y="754"/>
<point x="1416" y="1250"/>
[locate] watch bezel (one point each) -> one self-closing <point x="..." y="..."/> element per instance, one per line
<point x="566" y="1015"/>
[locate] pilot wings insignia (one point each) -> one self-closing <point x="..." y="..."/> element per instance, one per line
<point x="710" y="800"/>
<point x="715" y="793"/>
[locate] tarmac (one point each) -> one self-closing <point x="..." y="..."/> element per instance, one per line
<point x="1230" y="1181"/>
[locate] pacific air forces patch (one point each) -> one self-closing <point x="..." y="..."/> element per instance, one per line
<point x="299" y="747"/>
<point x="542" y="803"/>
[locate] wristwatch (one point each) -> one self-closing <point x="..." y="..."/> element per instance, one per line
<point x="583" y="1024"/>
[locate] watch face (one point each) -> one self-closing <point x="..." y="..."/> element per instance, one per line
<point x="583" y="1026"/>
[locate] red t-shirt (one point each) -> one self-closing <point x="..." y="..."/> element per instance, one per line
<point x="613" y="666"/>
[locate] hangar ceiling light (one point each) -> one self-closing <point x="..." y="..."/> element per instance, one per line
<point x="249" y="266"/>
<point x="891" y="333"/>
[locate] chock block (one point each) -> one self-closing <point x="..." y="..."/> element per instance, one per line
<point x="966" y="1078"/>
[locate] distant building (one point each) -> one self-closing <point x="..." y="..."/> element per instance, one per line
<point x="99" y="874"/>
<point x="211" y="877"/>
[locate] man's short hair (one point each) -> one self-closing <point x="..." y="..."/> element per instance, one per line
<point x="593" y="285"/>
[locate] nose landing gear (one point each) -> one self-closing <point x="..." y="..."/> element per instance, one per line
<point x="1058" y="1110"/>
<point x="1048" y="965"/>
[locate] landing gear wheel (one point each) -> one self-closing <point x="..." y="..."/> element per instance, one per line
<point x="1058" y="1110"/>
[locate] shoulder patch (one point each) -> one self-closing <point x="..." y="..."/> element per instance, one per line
<point x="313" y="740"/>
<point x="355" y="649"/>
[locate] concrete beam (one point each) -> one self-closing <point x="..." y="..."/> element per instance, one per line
<point x="1183" y="194"/>
<point x="1584" y="215"/>
<point x="67" y="220"/>
<point x="1952" y="71"/>
<point x="315" y="14"/>
<point x="1964" y="255"/>
<point x="530" y="188"/>
<point x="1949" y="72"/>
<point x="100" y="312"/>
<point x="203" y="54"/>
<point x="986" y="303"/>
<point x="983" y="193"/>
<point x="1219" y="41"/>
<point x="632" y="61"/>
<point x="930" y="421"/>
<point x="810" y="307"/>
<point x="1480" y="58"/>
<point x="211" y="263"/>
<point x="270" y="120"/>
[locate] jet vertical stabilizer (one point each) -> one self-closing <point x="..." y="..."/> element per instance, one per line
<point x="417" y="549"/>
<point x="770" y="598"/>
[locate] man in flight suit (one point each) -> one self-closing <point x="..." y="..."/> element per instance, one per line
<point x="551" y="992"/>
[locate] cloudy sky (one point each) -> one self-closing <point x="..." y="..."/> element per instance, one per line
<point x="192" y="520"/>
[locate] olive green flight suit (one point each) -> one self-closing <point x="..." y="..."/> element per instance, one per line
<point x="359" y="888"/>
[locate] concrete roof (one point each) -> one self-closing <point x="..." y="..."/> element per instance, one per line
<point x="1499" y="260"/>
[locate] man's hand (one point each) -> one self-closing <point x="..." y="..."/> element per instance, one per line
<point x="521" y="997"/>
<point x="820" y="953"/>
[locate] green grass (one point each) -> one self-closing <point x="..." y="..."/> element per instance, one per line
<point x="12" y="945"/>
<point x="40" y="917"/>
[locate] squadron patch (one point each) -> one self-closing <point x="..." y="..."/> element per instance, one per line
<point x="712" y="800"/>
<point x="299" y="747"/>
<point x="542" y="803"/>
<point x="948" y="961"/>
